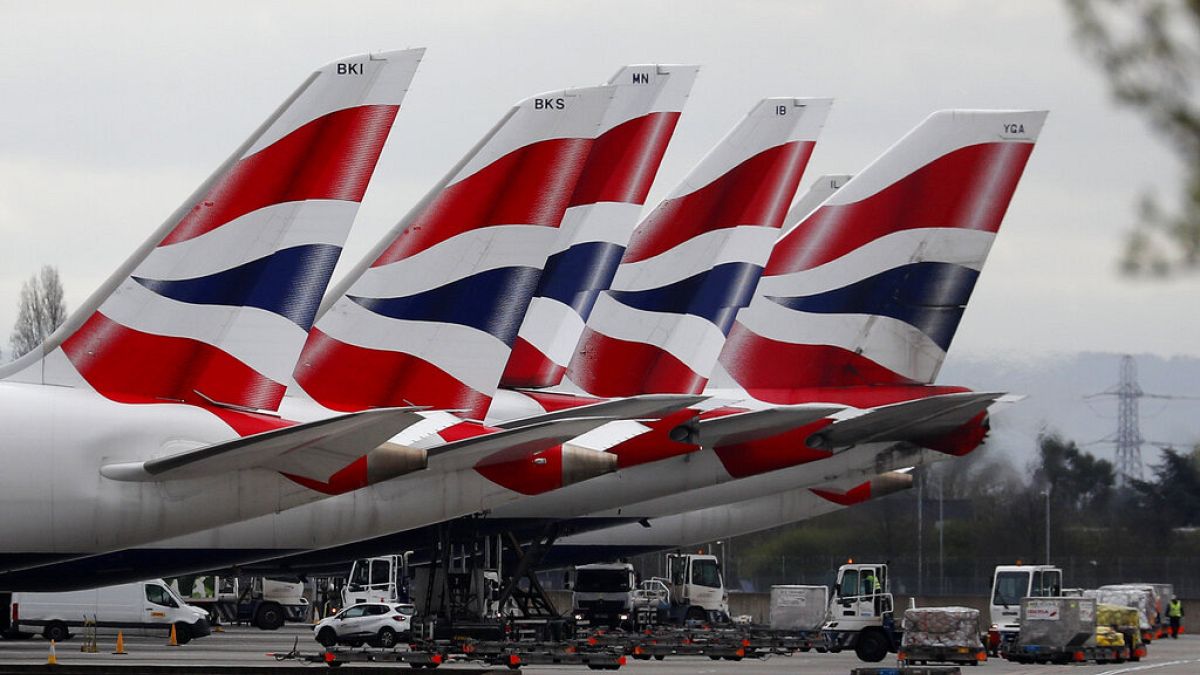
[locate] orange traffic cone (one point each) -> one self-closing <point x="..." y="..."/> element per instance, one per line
<point x="52" y="659"/>
<point x="120" y="644"/>
<point x="174" y="641"/>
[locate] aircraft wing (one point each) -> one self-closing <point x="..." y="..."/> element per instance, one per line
<point x="913" y="421"/>
<point x="644" y="406"/>
<point x="511" y="444"/>
<point x="757" y="424"/>
<point x="314" y="450"/>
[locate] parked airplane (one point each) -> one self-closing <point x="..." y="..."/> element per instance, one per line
<point x="374" y="345"/>
<point x="957" y="172"/>
<point x="148" y="412"/>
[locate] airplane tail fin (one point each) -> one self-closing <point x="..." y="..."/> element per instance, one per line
<point x="429" y="316"/>
<point x="597" y="226"/>
<point x="695" y="260"/>
<point x="869" y="288"/>
<point x="215" y="306"/>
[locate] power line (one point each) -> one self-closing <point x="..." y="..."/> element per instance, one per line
<point x="1129" y="439"/>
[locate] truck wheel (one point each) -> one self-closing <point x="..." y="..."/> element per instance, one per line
<point x="696" y="614"/>
<point x="386" y="638"/>
<point x="269" y="616"/>
<point x="871" y="646"/>
<point x="183" y="633"/>
<point x="57" y="631"/>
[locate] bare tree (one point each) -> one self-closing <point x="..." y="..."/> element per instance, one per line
<point x="1150" y="51"/>
<point x="40" y="310"/>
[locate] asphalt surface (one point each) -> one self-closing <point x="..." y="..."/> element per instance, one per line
<point x="247" y="649"/>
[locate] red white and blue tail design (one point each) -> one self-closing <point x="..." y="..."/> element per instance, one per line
<point x="869" y="288"/>
<point x="695" y="260"/>
<point x="215" y="307"/>
<point x="600" y="220"/>
<point x="429" y="317"/>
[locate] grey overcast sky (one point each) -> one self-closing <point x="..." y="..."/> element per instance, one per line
<point x="113" y="112"/>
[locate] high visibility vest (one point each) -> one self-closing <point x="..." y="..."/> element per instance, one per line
<point x="1175" y="609"/>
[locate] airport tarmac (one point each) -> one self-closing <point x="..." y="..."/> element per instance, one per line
<point x="245" y="649"/>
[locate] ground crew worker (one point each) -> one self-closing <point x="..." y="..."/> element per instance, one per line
<point x="1175" y="614"/>
<point x="871" y="586"/>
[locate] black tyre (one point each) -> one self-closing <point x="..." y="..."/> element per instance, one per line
<point x="269" y="616"/>
<point x="327" y="637"/>
<point x="386" y="638"/>
<point x="183" y="633"/>
<point x="871" y="646"/>
<point x="57" y="631"/>
<point x="696" y="614"/>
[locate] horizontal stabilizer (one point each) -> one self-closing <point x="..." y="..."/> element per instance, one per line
<point x="646" y="406"/>
<point x="757" y="424"/>
<point x="912" y="421"/>
<point x="315" y="450"/>
<point x="511" y="444"/>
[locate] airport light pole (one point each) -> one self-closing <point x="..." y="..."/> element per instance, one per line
<point x="1046" y="493"/>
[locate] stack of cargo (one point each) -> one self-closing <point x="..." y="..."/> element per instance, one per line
<point x="949" y="634"/>
<point x="1124" y="620"/>
<point x="798" y="608"/>
<point x="1127" y="596"/>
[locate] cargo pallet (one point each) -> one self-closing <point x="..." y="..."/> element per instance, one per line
<point x="1043" y="654"/>
<point x="921" y="655"/>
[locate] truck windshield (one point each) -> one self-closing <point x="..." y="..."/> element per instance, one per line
<point x="1010" y="587"/>
<point x="849" y="586"/>
<point x="602" y="581"/>
<point x="706" y="573"/>
<point x="360" y="573"/>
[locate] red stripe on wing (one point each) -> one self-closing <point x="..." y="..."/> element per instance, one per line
<point x="968" y="188"/>
<point x="331" y="157"/>
<point x="771" y="454"/>
<point x="608" y="367"/>
<point x="755" y="192"/>
<point x="779" y="372"/>
<point x="130" y="366"/>
<point x="347" y="377"/>
<point x="855" y="495"/>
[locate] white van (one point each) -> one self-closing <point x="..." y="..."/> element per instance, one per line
<point x="143" y="604"/>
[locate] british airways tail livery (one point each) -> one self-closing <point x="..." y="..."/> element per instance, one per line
<point x="596" y="227"/>
<point x="695" y="260"/>
<point x="869" y="288"/>
<point x="201" y="322"/>
<point x="215" y="307"/>
<point x="430" y="316"/>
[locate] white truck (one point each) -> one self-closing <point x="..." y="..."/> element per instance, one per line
<point x="1010" y="583"/>
<point x="139" y="605"/>
<point x="697" y="588"/>
<point x="602" y="594"/>
<point x="861" y="612"/>
<point x="259" y="601"/>
<point x="379" y="579"/>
